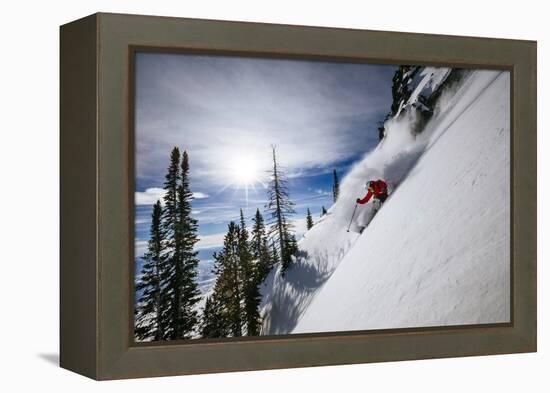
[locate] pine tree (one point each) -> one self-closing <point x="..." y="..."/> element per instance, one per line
<point x="187" y="225"/>
<point x="323" y="211"/>
<point x="309" y="220"/>
<point x="335" y="186"/>
<point x="214" y="321"/>
<point x="249" y="281"/>
<point x="170" y="212"/>
<point x="170" y="221"/>
<point x="290" y="248"/>
<point x="233" y="308"/>
<point x="181" y="235"/>
<point x="280" y="208"/>
<point x="260" y="247"/>
<point x="149" y="310"/>
<point x="228" y="288"/>
<point x="209" y="319"/>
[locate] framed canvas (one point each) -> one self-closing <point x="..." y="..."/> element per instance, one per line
<point x="242" y="196"/>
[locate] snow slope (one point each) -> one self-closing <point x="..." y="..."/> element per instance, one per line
<point x="438" y="252"/>
<point x="286" y="299"/>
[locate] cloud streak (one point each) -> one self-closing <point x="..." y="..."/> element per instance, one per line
<point x="153" y="194"/>
<point x="210" y="241"/>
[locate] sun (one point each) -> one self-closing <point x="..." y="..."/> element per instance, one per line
<point x="245" y="171"/>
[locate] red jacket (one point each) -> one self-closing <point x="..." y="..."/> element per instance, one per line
<point x="378" y="187"/>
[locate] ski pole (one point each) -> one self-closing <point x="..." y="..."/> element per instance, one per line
<point x="353" y="215"/>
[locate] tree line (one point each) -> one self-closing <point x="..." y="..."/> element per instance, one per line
<point x="240" y="267"/>
<point x="167" y="306"/>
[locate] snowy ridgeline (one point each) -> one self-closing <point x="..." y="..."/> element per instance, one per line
<point x="438" y="252"/>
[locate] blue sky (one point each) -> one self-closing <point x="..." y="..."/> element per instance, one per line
<point x="228" y="111"/>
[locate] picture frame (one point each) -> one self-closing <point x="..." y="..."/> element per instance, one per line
<point x="97" y="196"/>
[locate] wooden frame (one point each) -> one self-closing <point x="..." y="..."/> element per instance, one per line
<point x="96" y="160"/>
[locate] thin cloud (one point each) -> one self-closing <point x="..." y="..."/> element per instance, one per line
<point x="210" y="241"/>
<point x="200" y="195"/>
<point x="149" y="197"/>
<point x="153" y="194"/>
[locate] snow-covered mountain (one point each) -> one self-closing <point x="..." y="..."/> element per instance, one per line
<point x="438" y="251"/>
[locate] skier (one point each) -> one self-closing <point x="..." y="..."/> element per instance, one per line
<point x="377" y="189"/>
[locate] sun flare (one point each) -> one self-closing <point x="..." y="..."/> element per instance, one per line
<point x="245" y="171"/>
